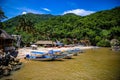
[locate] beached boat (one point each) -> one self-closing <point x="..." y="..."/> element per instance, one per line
<point x="75" y="51"/>
<point x="78" y="50"/>
<point x="50" y="55"/>
<point x="72" y="52"/>
<point x="67" y="55"/>
<point x="56" y="54"/>
<point x="38" y="55"/>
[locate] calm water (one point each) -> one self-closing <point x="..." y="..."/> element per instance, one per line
<point x="94" y="64"/>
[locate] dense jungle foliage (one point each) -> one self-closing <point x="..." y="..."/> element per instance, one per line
<point x="99" y="27"/>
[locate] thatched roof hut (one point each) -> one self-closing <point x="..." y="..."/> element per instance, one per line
<point x="44" y="43"/>
<point x="4" y="35"/>
<point x="5" y="39"/>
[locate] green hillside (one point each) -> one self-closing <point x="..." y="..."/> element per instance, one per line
<point x="99" y="27"/>
<point x="35" y="18"/>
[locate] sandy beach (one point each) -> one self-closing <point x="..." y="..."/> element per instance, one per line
<point x="27" y="50"/>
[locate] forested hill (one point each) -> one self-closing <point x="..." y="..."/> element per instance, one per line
<point x="99" y="27"/>
<point x="34" y="18"/>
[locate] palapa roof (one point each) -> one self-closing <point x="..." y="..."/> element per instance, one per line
<point x="4" y="35"/>
<point x="44" y="42"/>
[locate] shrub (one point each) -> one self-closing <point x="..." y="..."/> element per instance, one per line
<point x="103" y="43"/>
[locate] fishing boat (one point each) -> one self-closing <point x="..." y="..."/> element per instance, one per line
<point x="56" y="54"/>
<point x="78" y="50"/>
<point x="75" y="51"/>
<point x="72" y="52"/>
<point x="50" y="55"/>
<point x="66" y="55"/>
<point x="38" y="55"/>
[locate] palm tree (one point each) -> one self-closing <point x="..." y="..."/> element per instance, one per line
<point x="2" y="16"/>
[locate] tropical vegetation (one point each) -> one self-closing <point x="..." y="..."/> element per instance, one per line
<point x="99" y="27"/>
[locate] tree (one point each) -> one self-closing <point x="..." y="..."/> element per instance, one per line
<point x="99" y="28"/>
<point x="25" y="24"/>
<point x="22" y="24"/>
<point x="2" y="16"/>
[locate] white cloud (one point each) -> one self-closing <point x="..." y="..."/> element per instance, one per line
<point x="80" y="12"/>
<point x="46" y="9"/>
<point x="27" y="10"/>
<point x="24" y="12"/>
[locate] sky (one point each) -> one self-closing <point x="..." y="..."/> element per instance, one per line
<point x="13" y="8"/>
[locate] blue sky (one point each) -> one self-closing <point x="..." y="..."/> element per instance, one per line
<point x="13" y="8"/>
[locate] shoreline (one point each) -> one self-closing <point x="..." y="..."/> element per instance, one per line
<point x="27" y="50"/>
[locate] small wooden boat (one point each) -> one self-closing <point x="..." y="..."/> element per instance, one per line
<point x="79" y="50"/>
<point x="72" y="52"/>
<point x="38" y="55"/>
<point x="67" y="55"/>
<point x="56" y="54"/>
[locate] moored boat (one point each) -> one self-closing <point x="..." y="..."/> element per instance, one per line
<point x="38" y="55"/>
<point x="67" y="55"/>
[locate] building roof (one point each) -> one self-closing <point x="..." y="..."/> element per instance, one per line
<point x="4" y="35"/>
<point x="44" y="42"/>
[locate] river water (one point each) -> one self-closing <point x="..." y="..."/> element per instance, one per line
<point x="93" y="64"/>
